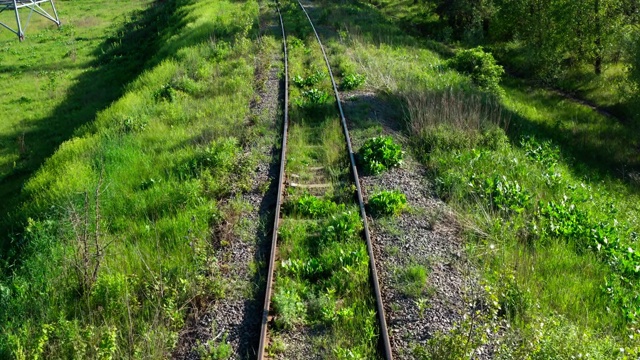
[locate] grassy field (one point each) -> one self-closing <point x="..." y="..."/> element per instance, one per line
<point x="131" y="147"/>
<point x="57" y="80"/>
<point x="536" y="180"/>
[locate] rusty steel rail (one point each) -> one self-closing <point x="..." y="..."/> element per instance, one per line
<point x="386" y="344"/>
<point x="374" y="275"/>
<point x="276" y="221"/>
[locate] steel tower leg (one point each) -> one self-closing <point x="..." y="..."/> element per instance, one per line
<point x="20" y="33"/>
<point x="34" y="7"/>
<point x="55" y="13"/>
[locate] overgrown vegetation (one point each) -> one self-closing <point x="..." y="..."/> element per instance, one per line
<point x="379" y="154"/>
<point x="527" y="170"/>
<point x="117" y="240"/>
<point x="322" y="276"/>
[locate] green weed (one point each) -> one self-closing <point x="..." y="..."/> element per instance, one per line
<point x="215" y="351"/>
<point x="379" y="154"/>
<point x="312" y="98"/>
<point x="387" y="203"/>
<point x="289" y="306"/>
<point x="313" y="207"/>
<point x="352" y="81"/>
<point x="413" y="280"/>
<point x="342" y="227"/>
<point x="312" y="80"/>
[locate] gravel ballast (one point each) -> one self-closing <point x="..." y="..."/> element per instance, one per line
<point x="235" y="319"/>
<point x="426" y="234"/>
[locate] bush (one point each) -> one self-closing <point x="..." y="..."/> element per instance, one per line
<point x="352" y="81"/>
<point x="387" y="203"/>
<point x="312" y="98"/>
<point x="481" y="66"/>
<point x="379" y="154"/>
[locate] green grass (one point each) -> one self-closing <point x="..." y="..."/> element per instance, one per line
<point x="116" y="245"/>
<point x="56" y="80"/>
<point x="535" y="175"/>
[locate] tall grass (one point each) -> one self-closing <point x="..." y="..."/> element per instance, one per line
<point x="117" y="245"/>
<point x="457" y="109"/>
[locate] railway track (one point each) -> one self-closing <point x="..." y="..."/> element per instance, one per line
<point x="311" y="173"/>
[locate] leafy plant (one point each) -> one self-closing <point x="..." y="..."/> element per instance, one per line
<point x="379" y="154"/>
<point x="311" y="269"/>
<point x="352" y="81"/>
<point x="312" y="98"/>
<point x="387" y="203"/>
<point x="311" y="206"/>
<point x="506" y="195"/>
<point x="342" y="227"/>
<point x="481" y="66"/>
<point x="315" y="78"/>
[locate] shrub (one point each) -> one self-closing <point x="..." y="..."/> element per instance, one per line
<point x="387" y="203"/>
<point x="379" y="154"/>
<point x="312" y="98"/>
<point x="352" y="81"/>
<point x="481" y="66"/>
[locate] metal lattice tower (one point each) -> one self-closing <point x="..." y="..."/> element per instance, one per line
<point x="33" y="6"/>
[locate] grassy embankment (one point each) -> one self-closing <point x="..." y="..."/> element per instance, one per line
<point x="56" y="80"/>
<point x="548" y="221"/>
<point x="152" y="117"/>
<point x="322" y="287"/>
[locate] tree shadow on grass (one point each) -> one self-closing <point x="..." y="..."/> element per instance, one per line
<point x="596" y="146"/>
<point x="119" y="60"/>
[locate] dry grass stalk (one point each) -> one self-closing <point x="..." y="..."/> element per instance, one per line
<point x="90" y="247"/>
<point x="453" y="108"/>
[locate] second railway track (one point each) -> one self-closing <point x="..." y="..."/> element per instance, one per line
<point x="322" y="296"/>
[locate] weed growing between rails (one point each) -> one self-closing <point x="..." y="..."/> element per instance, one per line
<point x="167" y="153"/>
<point x="322" y="298"/>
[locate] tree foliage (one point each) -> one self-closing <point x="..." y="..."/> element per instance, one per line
<point x="543" y="38"/>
